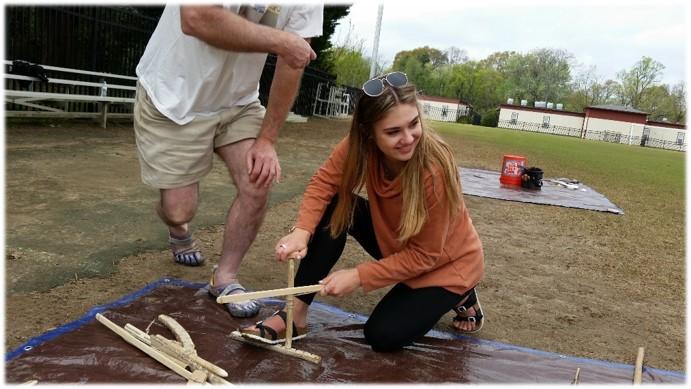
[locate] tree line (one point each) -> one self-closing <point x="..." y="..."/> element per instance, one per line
<point x="543" y="74"/>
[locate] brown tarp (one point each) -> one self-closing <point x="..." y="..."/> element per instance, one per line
<point x="87" y="352"/>
<point x="485" y="183"/>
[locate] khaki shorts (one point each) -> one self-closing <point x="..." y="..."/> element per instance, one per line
<point x="173" y="155"/>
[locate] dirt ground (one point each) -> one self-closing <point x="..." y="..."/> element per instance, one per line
<point x="81" y="231"/>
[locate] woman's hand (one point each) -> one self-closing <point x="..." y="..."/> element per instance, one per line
<point x="340" y="283"/>
<point x="293" y="245"/>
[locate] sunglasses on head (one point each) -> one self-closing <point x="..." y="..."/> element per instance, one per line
<point x="375" y="86"/>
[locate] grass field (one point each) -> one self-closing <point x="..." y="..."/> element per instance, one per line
<point x="647" y="183"/>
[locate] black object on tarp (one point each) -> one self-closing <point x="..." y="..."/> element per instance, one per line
<point x="531" y="178"/>
<point x="85" y="351"/>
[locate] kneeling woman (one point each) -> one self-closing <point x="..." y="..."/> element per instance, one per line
<point x="414" y="224"/>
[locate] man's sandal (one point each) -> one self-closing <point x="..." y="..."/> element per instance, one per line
<point x="266" y="334"/>
<point x="185" y="251"/>
<point x="471" y="301"/>
<point x="242" y="309"/>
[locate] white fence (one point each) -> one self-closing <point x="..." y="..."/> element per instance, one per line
<point x="67" y="95"/>
<point x="605" y="136"/>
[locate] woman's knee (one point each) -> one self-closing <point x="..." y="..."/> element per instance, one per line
<point x="383" y="337"/>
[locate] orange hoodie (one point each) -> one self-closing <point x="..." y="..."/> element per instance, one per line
<point x="447" y="252"/>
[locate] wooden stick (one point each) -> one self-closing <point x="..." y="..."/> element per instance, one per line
<point x="139" y="334"/>
<point x="575" y="378"/>
<point x="198" y="377"/>
<point x="160" y="343"/>
<point x="150" y="351"/>
<point x="171" y="347"/>
<point x="289" y="305"/>
<point x="214" y="379"/>
<point x="180" y="333"/>
<point x="278" y="348"/>
<point x="144" y="338"/>
<point x="174" y="350"/>
<point x="638" y="369"/>
<point x="269" y="293"/>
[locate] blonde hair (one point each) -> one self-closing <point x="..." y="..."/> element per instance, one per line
<point x="431" y="152"/>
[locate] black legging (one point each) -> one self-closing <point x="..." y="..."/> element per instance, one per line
<point x="404" y="314"/>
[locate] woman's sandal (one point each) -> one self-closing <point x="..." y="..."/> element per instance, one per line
<point x="471" y="301"/>
<point x="185" y="251"/>
<point x="266" y="334"/>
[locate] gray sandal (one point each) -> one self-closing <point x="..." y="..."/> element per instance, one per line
<point x="190" y="255"/>
<point x="242" y="309"/>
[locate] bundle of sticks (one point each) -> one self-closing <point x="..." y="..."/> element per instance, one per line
<point x="178" y="355"/>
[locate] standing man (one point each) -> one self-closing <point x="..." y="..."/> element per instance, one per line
<point x="198" y="94"/>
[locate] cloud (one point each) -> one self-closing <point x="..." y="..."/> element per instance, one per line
<point x="660" y="35"/>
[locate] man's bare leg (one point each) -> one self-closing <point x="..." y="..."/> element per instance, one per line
<point x="176" y="209"/>
<point x="245" y="215"/>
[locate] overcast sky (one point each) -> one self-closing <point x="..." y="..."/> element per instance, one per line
<point x="612" y="37"/>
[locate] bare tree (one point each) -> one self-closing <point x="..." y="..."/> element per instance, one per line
<point x="634" y="82"/>
<point x="456" y="55"/>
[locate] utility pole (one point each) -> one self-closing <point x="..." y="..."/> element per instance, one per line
<point x="375" y="47"/>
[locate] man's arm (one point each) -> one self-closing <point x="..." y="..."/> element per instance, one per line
<point x="284" y="87"/>
<point x="262" y="161"/>
<point x="226" y="30"/>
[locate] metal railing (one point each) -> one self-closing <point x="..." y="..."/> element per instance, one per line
<point x="617" y="137"/>
<point x="604" y="136"/>
<point x="539" y="127"/>
<point x="444" y="114"/>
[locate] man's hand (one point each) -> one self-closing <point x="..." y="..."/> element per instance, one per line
<point x="296" y="51"/>
<point x="263" y="167"/>
<point x="340" y="283"/>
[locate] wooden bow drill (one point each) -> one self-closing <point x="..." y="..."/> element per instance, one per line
<point x="177" y="354"/>
<point x="290" y="292"/>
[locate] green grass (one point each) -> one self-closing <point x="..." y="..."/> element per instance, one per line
<point x="647" y="183"/>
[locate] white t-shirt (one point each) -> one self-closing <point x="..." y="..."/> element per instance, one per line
<point x="186" y="77"/>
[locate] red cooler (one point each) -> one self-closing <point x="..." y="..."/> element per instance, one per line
<point x="511" y="170"/>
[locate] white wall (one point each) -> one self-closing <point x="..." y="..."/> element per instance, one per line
<point x="666" y="133"/>
<point x="597" y="128"/>
<point x="597" y="124"/>
<point x="555" y="119"/>
<point x="434" y="109"/>
<point x="634" y="130"/>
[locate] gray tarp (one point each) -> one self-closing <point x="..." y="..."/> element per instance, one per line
<point x="485" y="183"/>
